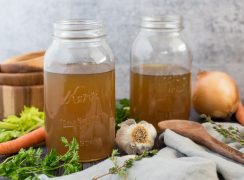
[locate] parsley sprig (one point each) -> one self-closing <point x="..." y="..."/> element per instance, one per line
<point x="122" y="170"/>
<point x="230" y="132"/>
<point x="28" y="164"/>
<point x="122" y="111"/>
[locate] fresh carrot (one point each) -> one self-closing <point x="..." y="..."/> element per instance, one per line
<point x="25" y="141"/>
<point x="240" y="114"/>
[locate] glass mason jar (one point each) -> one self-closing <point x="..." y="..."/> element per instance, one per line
<point x="160" y="73"/>
<point x="79" y="89"/>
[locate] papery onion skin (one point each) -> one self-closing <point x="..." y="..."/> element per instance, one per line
<point x="215" y="94"/>
<point x="240" y="114"/>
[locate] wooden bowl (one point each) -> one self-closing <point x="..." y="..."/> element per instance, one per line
<point x="21" y="79"/>
<point x="30" y="65"/>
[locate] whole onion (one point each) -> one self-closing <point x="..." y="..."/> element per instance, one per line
<point x="215" y="94"/>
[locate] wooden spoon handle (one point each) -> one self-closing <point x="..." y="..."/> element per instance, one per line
<point x="222" y="148"/>
<point x="225" y="150"/>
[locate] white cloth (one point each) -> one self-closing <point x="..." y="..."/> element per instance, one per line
<point x="181" y="159"/>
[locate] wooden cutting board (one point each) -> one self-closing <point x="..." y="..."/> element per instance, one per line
<point x="14" y="98"/>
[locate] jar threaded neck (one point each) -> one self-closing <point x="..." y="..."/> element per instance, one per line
<point x="167" y="22"/>
<point x="78" y="29"/>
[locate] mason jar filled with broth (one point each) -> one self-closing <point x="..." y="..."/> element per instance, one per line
<point x="79" y="90"/>
<point x="160" y="73"/>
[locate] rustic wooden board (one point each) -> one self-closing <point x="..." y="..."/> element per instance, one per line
<point x="14" y="98"/>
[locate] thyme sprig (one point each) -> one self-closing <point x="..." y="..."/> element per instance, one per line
<point x="122" y="170"/>
<point x="230" y="132"/>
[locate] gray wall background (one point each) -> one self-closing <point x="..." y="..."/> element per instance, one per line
<point x="213" y="29"/>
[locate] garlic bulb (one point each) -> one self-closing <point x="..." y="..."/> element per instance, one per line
<point x="134" y="137"/>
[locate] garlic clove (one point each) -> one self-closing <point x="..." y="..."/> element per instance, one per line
<point x="128" y="122"/>
<point x="135" y="137"/>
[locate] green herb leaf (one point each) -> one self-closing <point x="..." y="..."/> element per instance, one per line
<point x="12" y="126"/>
<point x="122" y="170"/>
<point x="230" y="132"/>
<point x="8" y="135"/>
<point x="28" y="164"/>
<point x="122" y="111"/>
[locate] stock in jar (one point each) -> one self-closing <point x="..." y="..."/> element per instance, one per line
<point x="160" y="73"/>
<point x="79" y="81"/>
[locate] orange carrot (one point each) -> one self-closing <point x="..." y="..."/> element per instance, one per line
<point x="25" y="141"/>
<point x="240" y="114"/>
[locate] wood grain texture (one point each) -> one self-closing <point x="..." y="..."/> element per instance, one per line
<point x="14" y="98"/>
<point x="21" y="79"/>
<point x="30" y="65"/>
<point x="24" y="57"/>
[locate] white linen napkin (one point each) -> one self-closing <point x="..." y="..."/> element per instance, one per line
<point x="181" y="159"/>
<point x="229" y="169"/>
